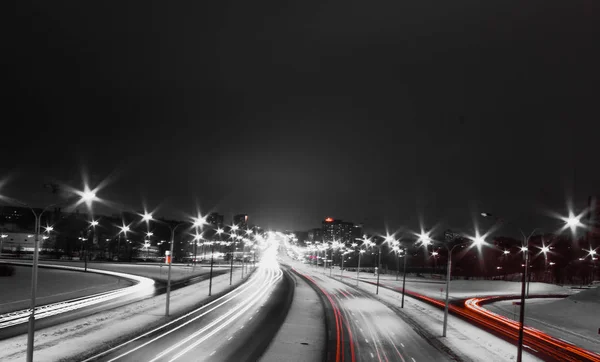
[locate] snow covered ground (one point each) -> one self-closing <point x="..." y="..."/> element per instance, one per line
<point x="69" y="341"/>
<point x="462" y="289"/>
<point x="575" y="319"/>
<point x="156" y="271"/>
<point x="53" y="285"/>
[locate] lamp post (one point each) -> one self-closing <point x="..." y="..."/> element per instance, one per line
<point x="367" y="243"/>
<point x="573" y="222"/>
<point x="197" y="222"/>
<point x="404" y="276"/>
<point x="197" y="239"/>
<point x="212" y="254"/>
<point x="2" y="237"/>
<point x="525" y="250"/>
<point x="212" y="258"/>
<point x="124" y="230"/>
<point x="477" y="240"/>
<point x="397" y="250"/>
<point x="87" y="196"/>
<point x="378" y="267"/>
<point x="149" y="234"/>
<point x="93" y="225"/>
<point x="360" y="252"/>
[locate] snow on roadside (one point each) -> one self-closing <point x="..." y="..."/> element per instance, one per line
<point x="467" y="341"/>
<point x="471" y="288"/>
<point x="575" y="319"/>
<point x="94" y="332"/>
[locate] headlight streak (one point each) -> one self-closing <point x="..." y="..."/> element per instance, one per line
<point x="261" y="292"/>
<point x="556" y="348"/>
<point x="179" y="344"/>
<point x="44" y="311"/>
<point x="230" y="296"/>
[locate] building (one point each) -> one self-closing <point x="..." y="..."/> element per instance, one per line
<point x="357" y="232"/>
<point x="215" y="219"/>
<point x="339" y="230"/>
<point x="241" y="220"/>
<point x="18" y="242"/>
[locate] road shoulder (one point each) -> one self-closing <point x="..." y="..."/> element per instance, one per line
<point x="302" y="337"/>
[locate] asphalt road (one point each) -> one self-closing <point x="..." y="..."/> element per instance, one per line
<point x="235" y="327"/>
<point x="362" y="328"/>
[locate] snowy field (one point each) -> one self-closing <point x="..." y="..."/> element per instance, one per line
<point x="575" y="319"/>
<point x="155" y="271"/>
<point x="54" y="285"/>
<point x="68" y="341"/>
<point x="462" y="289"/>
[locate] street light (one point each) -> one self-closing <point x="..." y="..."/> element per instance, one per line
<point x="93" y="225"/>
<point x="196" y="222"/>
<point x="477" y="240"/>
<point x="219" y="232"/>
<point x="2" y="237"/>
<point x="86" y="196"/>
<point x="360" y="253"/>
<point x="124" y="230"/>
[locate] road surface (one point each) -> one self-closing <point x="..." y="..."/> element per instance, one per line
<point x="235" y="327"/>
<point x="364" y="329"/>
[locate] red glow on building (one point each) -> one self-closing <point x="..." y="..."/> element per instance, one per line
<point x="329" y="219"/>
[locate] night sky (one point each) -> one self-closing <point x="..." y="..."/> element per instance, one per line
<point x="380" y="112"/>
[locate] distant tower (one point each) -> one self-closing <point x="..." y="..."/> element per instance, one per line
<point x="215" y="219"/>
<point x="241" y="220"/>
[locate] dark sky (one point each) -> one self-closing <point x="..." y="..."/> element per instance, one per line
<point x="290" y="111"/>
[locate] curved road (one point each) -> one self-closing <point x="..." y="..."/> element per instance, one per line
<point x="535" y="341"/>
<point x="47" y="315"/>
<point x="230" y="328"/>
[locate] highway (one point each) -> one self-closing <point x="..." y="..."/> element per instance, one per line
<point x="536" y="342"/>
<point x="235" y="327"/>
<point x="363" y="329"/>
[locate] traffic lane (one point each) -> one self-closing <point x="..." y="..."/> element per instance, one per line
<point x="248" y="337"/>
<point x="229" y="334"/>
<point x="378" y="333"/>
<point x="202" y="321"/>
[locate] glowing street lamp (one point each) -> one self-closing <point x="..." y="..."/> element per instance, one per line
<point x="196" y="222"/>
<point x="219" y="232"/>
<point x="86" y="196"/>
<point x="2" y="237"/>
<point x="477" y="240"/>
<point x="572" y="221"/>
<point x="360" y="253"/>
<point x="147" y="217"/>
